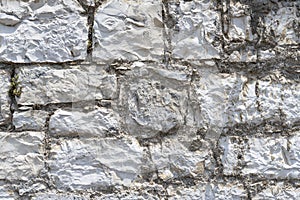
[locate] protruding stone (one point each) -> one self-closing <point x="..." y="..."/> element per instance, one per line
<point x="152" y="100"/>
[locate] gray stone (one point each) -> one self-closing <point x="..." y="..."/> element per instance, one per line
<point x="128" y="30"/>
<point x="42" y="31"/>
<point x="153" y="100"/>
<point x="44" y="85"/>
<point x="100" y="122"/>
<point x="22" y="155"/>
<point x="95" y="163"/>
<point x="195" y="28"/>
<point x="33" y="120"/>
<point x="54" y="196"/>
<point x="4" y="98"/>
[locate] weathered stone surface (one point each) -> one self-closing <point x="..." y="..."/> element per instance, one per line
<point x="172" y="159"/>
<point x="44" y="85"/>
<point x="42" y="31"/>
<point x="54" y="196"/>
<point x="6" y="193"/>
<point x="128" y="30"/>
<point x="210" y="100"/>
<point x="4" y="98"/>
<point x="153" y="100"/>
<point x="100" y="122"/>
<point x="279" y="191"/>
<point x="95" y="163"/>
<point x="271" y="157"/>
<point x="33" y="120"/>
<point x="218" y="191"/>
<point x="21" y="154"/>
<point x="195" y="28"/>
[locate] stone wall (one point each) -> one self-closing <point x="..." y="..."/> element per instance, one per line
<point x="149" y="99"/>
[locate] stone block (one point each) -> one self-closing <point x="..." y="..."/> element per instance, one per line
<point x="31" y="120"/>
<point x="42" y="31"/>
<point x="4" y="97"/>
<point x="128" y="30"/>
<point x="21" y="154"/>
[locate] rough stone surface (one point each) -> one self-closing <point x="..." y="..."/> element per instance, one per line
<point x="4" y="98"/>
<point x="44" y="85"/>
<point x="104" y="161"/>
<point x="100" y="122"/>
<point x="195" y="29"/>
<point x="129" y="30"/>
<point x="149" y="99"/>
<point x="33" y="120"/>
<point x="42" y="31"/>
<point x="22" y="155"/>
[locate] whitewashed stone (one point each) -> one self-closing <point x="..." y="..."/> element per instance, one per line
<point x="44" y="85"/>
<point x="195" y="31"/>
<point x="129" y="30"/>
<point x="42" y="31"/>
<point x="279" y="191"/>
<point x="173" y="159"/>
<point x="271" y="157"/>
<point x="94" y="163"/>
<point x="4" y="98"/>
<point x="153" y="100"/>
<point x="33" y="120"/>
<point x="100" y="122"/>
<point x="21" y="154"/>
<point x="216" y="191"/>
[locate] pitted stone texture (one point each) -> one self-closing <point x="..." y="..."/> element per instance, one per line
<point x="195" y="28"/>
<point x="42" y="31"/>
<point x="129" y="30"/>
<point x="216" y="191"/>
<point x="31" y="120"/>
<point x="271" y="157"/>
<point x="152" y="100"/>
<point x="44" y="85"/>
<point x="4" y="98"/>
<point x="173" y="159"/>
<point x="21" y="154"/>
<point x="95" y="163"/>
<point x="280" y="191"/>
<point x="100" y="122"/>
